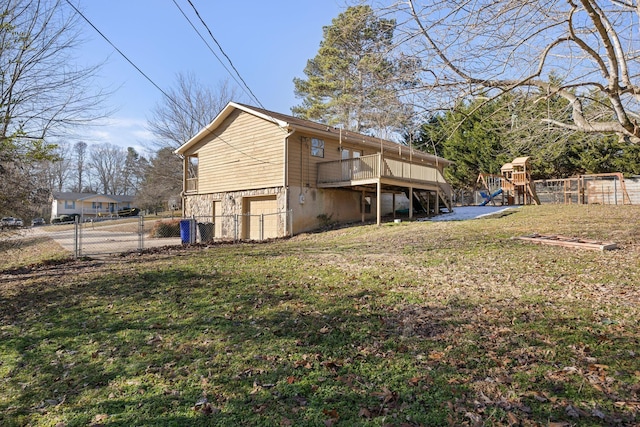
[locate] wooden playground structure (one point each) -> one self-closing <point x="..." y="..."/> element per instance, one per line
<point x="513" y="187"/>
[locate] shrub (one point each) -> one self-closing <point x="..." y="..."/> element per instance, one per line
<point x="325" y="220"/>
<point x="169" y="228"/>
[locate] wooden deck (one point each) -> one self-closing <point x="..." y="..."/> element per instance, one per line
<point x="375" y="168"/>
<point x="380" y="173"/>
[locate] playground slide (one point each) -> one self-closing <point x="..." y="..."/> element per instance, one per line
<point x="487" y="198"/>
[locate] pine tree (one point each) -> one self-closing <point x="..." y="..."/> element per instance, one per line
<point x="354" y="81"/>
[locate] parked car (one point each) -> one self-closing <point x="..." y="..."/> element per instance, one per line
<point x="37" y="221"/>
<point x="11" y="222"/>
<point x="7" y="221"/>
<point x="65" y="218"/>
<point x="129" y="212"/>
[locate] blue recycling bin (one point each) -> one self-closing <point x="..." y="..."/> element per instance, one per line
<point x="185" y="231"/>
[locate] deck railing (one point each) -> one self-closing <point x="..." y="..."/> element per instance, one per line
<point x="376" y="166"/>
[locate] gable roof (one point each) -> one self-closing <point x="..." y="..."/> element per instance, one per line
<point x="290" y="124"/>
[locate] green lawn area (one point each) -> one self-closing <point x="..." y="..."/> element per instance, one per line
<point x="410" y="324"/>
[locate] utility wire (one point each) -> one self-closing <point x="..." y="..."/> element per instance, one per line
<point x="158" y="87"/>
<point x="245" y="88"/>
<point x="120" y="52"/>
<point x="209" y="46"/>
<point x="226" y="56"/>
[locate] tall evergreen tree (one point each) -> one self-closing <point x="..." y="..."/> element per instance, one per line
<point x="354" y="81"/>
<point x="133" y="171"/>
<point x="483" y="134"/>
<point x="162" y="181"/>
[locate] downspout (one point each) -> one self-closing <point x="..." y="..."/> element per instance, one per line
<point x="285" y="177"/>
<point x="184" y="185"/>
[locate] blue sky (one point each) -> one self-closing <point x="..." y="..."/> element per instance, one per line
<point x="269" y="42"/>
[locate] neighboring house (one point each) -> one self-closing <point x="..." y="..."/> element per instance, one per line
<point x="88" y="204"/>
<point x="249" y="164"/>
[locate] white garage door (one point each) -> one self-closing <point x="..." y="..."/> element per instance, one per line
<point x="263" y="219"/>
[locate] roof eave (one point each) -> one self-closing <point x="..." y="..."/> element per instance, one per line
<point x="289" y="127"/>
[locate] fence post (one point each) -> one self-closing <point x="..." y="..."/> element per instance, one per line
<point x="77" y="244"/>
<point x="235" y="228"/>
<point x="261" y="226"/>
<point x="193" y="230"/>
<point x="140" y="233"/>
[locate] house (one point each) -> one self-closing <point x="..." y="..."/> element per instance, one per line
<point x="263" y="174"/>
<point x="88" y="204"/>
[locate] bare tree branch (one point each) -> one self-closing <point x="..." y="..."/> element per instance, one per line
<point x="473" y="46"/>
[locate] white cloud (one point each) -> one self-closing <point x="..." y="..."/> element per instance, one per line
<point x="121" y="131"/>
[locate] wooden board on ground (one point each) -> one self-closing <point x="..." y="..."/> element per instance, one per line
<point x="570" y="242"/>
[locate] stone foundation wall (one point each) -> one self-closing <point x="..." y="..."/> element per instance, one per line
<point x="231" y="205"/>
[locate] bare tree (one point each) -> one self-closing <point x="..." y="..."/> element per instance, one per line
<point x="468" y="47"/>
<point x="189" y="108"/>
<point x="80" y="150"/>
<point x="107" y="163"/>
<point x="42" y="91"/>
<point x="60" y="170"/>
<point x="42" y="94"/>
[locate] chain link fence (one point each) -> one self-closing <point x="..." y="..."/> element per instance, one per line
<point x="94" y="237"/>
<point x="250" y="227"/>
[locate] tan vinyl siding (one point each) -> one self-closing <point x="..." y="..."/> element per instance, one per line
<point x="245" y="153"/>
<point x="303" y="169"/>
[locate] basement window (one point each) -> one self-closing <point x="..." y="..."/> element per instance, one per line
<point x="366" y="205"/>
<point x="317" y="147"/>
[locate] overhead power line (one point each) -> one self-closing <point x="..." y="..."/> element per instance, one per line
<point x="210" y="48"/>
<point x="119" y="51"/>
<point x="223" y="52"/>
<point x="202" y="125"/>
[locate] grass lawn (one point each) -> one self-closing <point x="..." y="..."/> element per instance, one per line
<point x="423" y="323"/>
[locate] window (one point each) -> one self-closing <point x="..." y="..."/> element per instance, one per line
<point x="69" y="204"/>
<point x="96" y="205"/>
<point x="317" y="147"/>
<point x="367" y="205"/>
